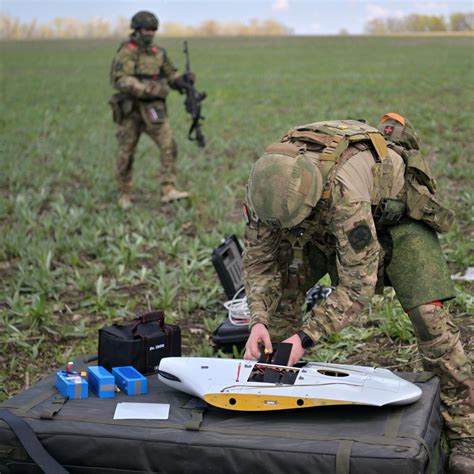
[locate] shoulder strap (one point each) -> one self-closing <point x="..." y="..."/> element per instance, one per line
<point x="340" y="159"/>
<point x="30" y="442"/>
<point x="336" y="148"/>
<point x="337" y="135"/>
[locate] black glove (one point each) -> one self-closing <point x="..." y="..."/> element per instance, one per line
<point x="179" y="84"/>
<point x="189" y="77"/>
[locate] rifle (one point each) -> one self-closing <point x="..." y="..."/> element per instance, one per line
<point x="192" y="103"/>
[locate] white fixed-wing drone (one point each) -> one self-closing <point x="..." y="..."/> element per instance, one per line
<point x="246" y="385"/>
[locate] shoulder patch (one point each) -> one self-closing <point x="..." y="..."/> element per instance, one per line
<point x="388" y="130"/>
<point x="154" y="49"/>
<point x="132" y="45"/>
<point x="360" y="236"/>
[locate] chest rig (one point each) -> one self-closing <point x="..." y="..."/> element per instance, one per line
<point x="329" y="145"/>
<point x="146" y="62"/>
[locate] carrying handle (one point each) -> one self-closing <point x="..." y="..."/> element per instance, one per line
<point x="153" y="316"/>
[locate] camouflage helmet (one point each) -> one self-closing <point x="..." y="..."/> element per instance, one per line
<point x="399" y="130"/>
<point x="282" y="190"/>
<point x="145" y="20"/>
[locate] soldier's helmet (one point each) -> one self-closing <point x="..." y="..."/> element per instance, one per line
<point x="399" y="130"/>
<point x="144" y="19"/>
<point x="282" y="190"/>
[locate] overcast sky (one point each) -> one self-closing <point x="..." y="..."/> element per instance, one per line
<point x="302" y="16"/>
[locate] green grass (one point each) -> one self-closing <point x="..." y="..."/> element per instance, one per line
<point x="71" y="261"/>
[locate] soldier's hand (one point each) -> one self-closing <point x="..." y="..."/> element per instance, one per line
<point x="179" y="83"/>
<point x="154" y="89"/>
<point x="258" y="335"/>
<point x="189" y="77"/>
<point x="297" y="352"/>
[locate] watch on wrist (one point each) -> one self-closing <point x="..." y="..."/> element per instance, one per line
<point x="306" y="341"/>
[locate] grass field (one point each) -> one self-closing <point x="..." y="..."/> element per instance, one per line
<point x="71" y="261"/>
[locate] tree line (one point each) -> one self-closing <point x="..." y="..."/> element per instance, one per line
<point x="68" y="27"/>
<point x="456" y="22"/>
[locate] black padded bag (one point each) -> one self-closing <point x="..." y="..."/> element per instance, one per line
<point x="83" y="436"/>
<point x="141" y="343"/>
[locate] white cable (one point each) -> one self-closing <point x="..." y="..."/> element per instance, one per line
<point x="238" y="310"/>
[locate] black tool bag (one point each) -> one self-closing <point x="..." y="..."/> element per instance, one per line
<point x="141" y="343"/>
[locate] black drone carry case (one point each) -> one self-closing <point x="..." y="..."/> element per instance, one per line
<point x="227" y="261"/>
<point x="228" y="335"/>
<point x="84" y="438"/>
<point x="141" y="343"/>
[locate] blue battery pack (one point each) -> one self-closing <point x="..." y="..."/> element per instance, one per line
<point x="71" y="385"/>
<point x="130" y="381"/>
<point x="101" y="381"/>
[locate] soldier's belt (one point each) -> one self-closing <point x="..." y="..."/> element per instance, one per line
<point x="151" y="99"/>
<point x="148" y="77"/>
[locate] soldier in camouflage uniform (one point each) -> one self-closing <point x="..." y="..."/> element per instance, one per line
<point x="143" y="74"/>
<point x="358" y="203"/>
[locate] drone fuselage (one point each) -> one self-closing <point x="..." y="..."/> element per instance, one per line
<point x="246" y="385"/>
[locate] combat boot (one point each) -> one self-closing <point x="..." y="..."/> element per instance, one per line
<point x="124" y="201"/>
<point x="461" y="458"/>
<point x="169" y="194"/>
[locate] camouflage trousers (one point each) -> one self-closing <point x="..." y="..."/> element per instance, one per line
<point x="415" y="267"/>
<point x="128" y="134"/>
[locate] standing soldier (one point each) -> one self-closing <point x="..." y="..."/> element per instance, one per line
<point x="143" y="74"/>
<point x="344" y="198"/>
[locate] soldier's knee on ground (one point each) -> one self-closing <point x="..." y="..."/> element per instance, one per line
<point x="433" y="327"/>
<point x="442" y="353"/>
<point x="438" y="336"/>
<point x="440" y="345"/>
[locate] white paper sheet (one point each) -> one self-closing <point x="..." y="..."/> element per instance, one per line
<point x="141" y="411"/>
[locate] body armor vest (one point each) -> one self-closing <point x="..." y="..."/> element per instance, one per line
<point x="329" y="145"/>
